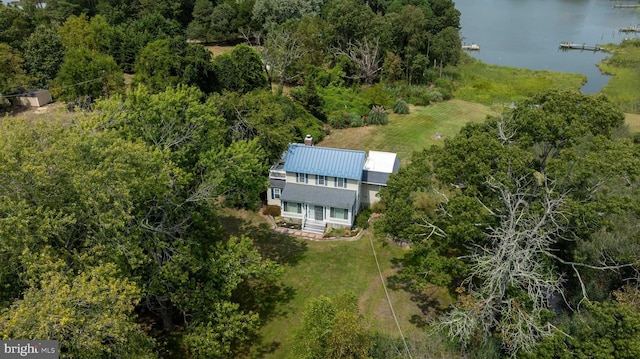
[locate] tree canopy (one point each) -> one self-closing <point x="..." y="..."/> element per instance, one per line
<point x="518" y="212"/>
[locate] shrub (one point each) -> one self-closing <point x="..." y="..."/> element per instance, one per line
<point x="356" y="121"/>
<point x="435" y="96"/>
<point x="376" y="95"/>
<point x="340" y="99"/>
<point x="400" y="107"/>
<point x="362" y="219"/>
<point x="336" y="232"/>
<point x="342" y="119"/>
<point x="271" y="210"/>
<point x="378" y="116"/>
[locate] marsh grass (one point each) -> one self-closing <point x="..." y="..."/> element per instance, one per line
<point x="624" y="66"/>
<point x="491" y="84"/>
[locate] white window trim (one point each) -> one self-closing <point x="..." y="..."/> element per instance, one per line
<point x="276" y="193"/>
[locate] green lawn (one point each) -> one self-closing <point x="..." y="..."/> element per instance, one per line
<point x="314" y="268"/>
<point x="408" y="133"/>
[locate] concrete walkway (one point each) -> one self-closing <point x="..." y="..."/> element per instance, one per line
<point x="307" y="235"/>
<point x="298" y="233"/>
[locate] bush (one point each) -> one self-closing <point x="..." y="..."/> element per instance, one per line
<point x="435" y="96"/>
<point x="378" y="116"/>
<point x="362" y="219"/>
<point x="400" y="107"/>
<point x="356" y="121"/>
<point x="376" y="95"/>
<point x="271" y="210"/>
<point x="343" y="120"/>
<point x="340" y="100"/>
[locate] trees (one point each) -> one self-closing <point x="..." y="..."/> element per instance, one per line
<point x="243" y="70"/>
<point x="43" y="53"/>
<point x="219" y="23"/>
<point x="170" y="62"/>
<point x="86" y="72"/>
<point x="274" y="119"/>
<point x="90" y="314"/>
<point x="270" y="13"/>
<point x="514" y="219"/>
<point x="198" y="28"/>
<point x="12" y="75"/>
<point x="366" y="57"/>
<point x="80" y="31"/>
<point x="132" y="36"/>
<point x="15" y="26"/>
<point x="282" y="48"/>
<point x="333" y="328"/>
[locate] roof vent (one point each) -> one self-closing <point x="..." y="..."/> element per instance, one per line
<point x="308" y="140"/>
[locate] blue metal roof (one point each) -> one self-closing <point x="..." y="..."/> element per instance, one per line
<point x="325" y="161"/>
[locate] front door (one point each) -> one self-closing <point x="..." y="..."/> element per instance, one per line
<point x="318" y="213"/>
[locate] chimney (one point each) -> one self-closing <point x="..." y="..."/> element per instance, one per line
<point x="308" y="140"/>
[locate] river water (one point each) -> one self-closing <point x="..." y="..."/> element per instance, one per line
<point x="527" y="33"/>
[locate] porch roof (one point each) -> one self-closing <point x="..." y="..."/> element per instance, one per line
<point x="323" y="196"/>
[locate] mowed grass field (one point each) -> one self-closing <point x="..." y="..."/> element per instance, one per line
<point x="329" y="268"/>
<point x="408" y="133"/>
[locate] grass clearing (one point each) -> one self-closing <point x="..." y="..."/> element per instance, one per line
<point x="315" y="268"/>
<point x="219" y="50"/>
<point x="408" y="133"/>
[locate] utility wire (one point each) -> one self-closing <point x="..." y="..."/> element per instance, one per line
<point x="393" y="312"/>
<point x="59" y="87"/>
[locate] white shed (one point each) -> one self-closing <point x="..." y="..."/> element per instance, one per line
<point x="34" y="98"/>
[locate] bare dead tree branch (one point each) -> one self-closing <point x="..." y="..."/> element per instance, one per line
<point x="365" y="55"/>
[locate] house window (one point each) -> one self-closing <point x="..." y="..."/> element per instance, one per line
<point x="341" y="182"/>
<point x="275" y="193"/>
<point x="339" y="213"/>
<point x="321" y="180"/>
<point x="292" y="207"/>
<point x="302" y="178"/>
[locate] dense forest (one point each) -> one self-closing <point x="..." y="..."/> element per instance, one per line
<point x="110" y="235"/>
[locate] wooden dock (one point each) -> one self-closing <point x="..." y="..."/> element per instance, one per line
<point x="573" y="46"/>
<point x="626" y="6"/>
<point x="630" y="29"/>
<point x="472" y="47"/>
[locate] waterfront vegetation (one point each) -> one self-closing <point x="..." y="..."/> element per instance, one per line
<point x="624" y="66"/>
<point x="491" y="84"/>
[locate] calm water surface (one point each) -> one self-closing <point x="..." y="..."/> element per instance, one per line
<point x="527" y="33"/>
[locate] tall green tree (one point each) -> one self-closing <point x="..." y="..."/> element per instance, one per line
<point x="170" y="62"/>
<point x="91" y="314"/>
<point x="12" y="74"/>
<point x="270" y="13"/>
<point x="333" y="328"/>
<point x="80" y="31"/>
<point x="133" y="35"/>
<point x="15" y="25"/>
<point x="506" y="197"/>
<point x="240" y="70"/>
<point x="43" y="53"/>
<point x="86" y="72"/>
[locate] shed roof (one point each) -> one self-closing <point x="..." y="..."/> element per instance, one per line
<point x="386" y="162"/>
<point x="325" y="161"/>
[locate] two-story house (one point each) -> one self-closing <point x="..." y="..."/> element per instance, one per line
<point x="319" y="186"/>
